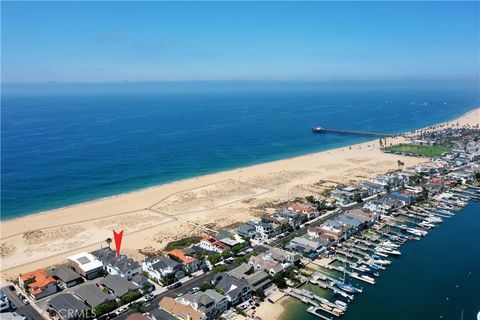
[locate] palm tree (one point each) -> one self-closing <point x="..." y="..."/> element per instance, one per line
<point x="400" y="163"/>
<point x="108" y="241"/>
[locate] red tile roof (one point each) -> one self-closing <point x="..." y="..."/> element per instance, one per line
<point x="181" y="255"/>
<point x="42" y="279"/>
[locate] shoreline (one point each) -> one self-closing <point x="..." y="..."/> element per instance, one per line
<point x="155" y="215"/>
<point x="195" y="177"/>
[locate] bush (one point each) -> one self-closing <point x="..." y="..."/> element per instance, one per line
<point x="220" y="268"/>
<point x="206" y="285"/>
<point x="103" y="308"/>
<point x="240" y="259"/>
<point x="240" y="311"/>
<point x="129" y="297"/>
<point x="226" y="254"/>
<point x="182" y="243"/>
<point x="146" y="287"/>
<point x="214" y="258"/>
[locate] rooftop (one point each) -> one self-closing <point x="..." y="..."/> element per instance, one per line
<point x="118" y="284"/>
<point x="86" y="261"/>
<point x="67" y="302"/>
<point x="92" y="295"/>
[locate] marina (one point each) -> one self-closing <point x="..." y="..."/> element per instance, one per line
<point x="363" y="257"/>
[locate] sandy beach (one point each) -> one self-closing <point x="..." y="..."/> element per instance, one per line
<point x="152" y="217"/>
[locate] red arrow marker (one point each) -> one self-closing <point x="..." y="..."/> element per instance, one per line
<point x="118" y="240"/>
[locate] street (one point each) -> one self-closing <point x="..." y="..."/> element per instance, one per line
<point x="22" y="309"/>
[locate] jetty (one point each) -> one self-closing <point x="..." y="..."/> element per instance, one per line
<point x="319" y="129"/>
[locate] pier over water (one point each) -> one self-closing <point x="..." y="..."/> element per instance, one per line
<point x="319" y="129"/>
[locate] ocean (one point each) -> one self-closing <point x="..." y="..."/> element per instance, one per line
<point x="62" y="148"/>
<point x="437" y="277"/>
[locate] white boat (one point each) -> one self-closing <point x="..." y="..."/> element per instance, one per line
<point x="389" y="244"/>
<point x="326" y="307"/>
<point x="433" y="219"/>
<point x="388" y="251"/>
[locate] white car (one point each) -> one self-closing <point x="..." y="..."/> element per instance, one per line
<point x="195" y="289"/>
<point x="121" y="310"/>
<point x="148" y="297"/>
<point x="25" y="301"/>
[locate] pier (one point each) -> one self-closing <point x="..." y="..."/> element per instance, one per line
<point x="319" y="129"/>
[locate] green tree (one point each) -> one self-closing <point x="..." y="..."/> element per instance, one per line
<point x="129" y="297"/>
<point x="220" y="268"/>
<point x="214" y="258"/>
<point x="279" y="280"/>
<point x="103" y="308"/>
<point x="206" y="286"/>
<point x="226" y="254"/>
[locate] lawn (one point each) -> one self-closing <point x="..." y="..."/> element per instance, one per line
<point x="414" y="149"/>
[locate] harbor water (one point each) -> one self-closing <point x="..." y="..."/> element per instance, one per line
<point x="437" y="277"/>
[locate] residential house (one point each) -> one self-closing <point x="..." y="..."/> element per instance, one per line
<point x="229" y="239"/>
<point x="118" y="265"/>
<point x="221" y="301"/>
<point x="236" y="290"/>
<point x="331" y="230"/>
<point x="140" y="280"/>
<point x="163" y="269"/>
<point x="190" y="263"/>
<point x="345" y="195"/>
<point x="407" y="198"/>
<point x="68" y="308"/>
<point x="291" y="217"/>
<point x="160" y="314"/>
<point x="258" y="279"/>
<point x="118" y="285"/>
<point x="181" y="310"/>
<point x="86" y="264"/>
<point x="265" y="230"/>
<point x="92" y="295"/>
<point x="307" y="246"/>
<point x="305" y="210"/>
<point x="211" y="244"/>
<point x="274" y="260"/>
<point x="200" y="302"/>
<point x="246" y="230"/>
<point x="66" y="277"/>
<point x="38" y="284"/>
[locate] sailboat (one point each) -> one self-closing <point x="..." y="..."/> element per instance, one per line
<point x="344" y="285"/>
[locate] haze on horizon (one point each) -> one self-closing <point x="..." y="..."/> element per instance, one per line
<point x="312" y="41"/>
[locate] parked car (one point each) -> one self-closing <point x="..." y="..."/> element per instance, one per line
<point x="25" y="301"/>
<point x="147" y="297"/>
<point x="11" y="287"/>
<point x="121" y="310"/>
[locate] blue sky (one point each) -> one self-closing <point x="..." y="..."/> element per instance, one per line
<point x="117" y="41"/>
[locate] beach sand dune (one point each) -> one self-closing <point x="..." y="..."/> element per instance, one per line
<point x="152" y="217"/>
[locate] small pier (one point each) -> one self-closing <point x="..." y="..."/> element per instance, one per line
<point x="319" y="129"/>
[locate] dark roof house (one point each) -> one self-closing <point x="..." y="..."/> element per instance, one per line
<point x="66" y="276"/>
<point x="93" y="295"/>
<point x="118" y="285"/>
<point x="67" y="307"/>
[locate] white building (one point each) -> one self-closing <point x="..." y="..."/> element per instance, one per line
<point x="85" y="264"/>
